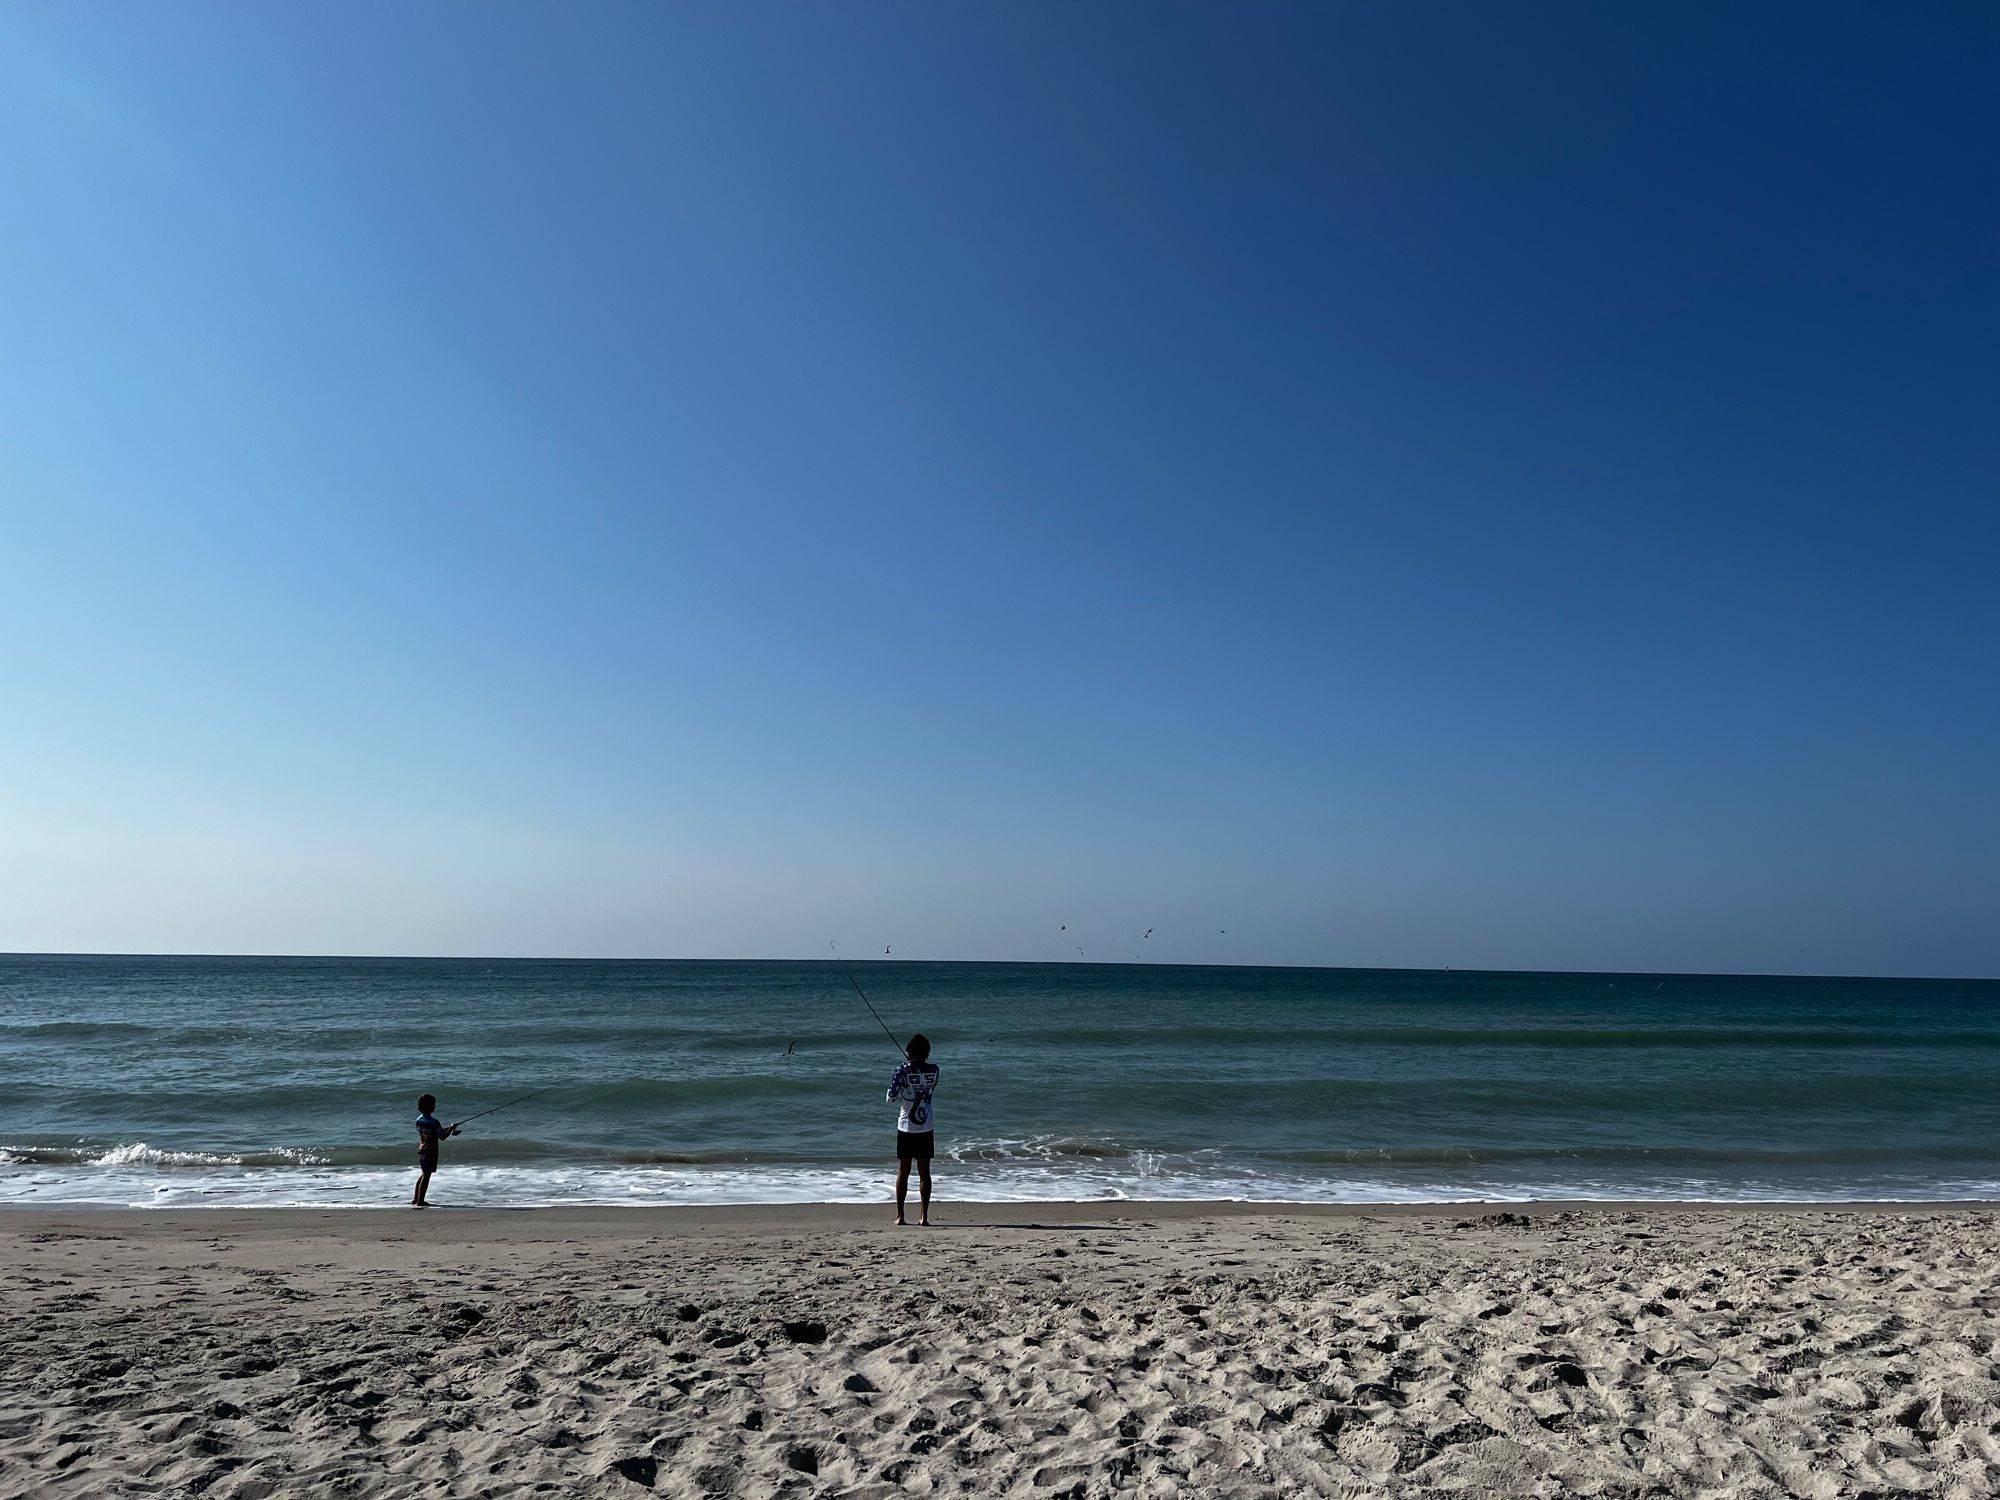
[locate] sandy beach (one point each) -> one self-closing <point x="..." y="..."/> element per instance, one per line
<point x="1049" y="1350"/>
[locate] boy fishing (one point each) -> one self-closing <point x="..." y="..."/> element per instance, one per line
<point x="916" y="1127"/>
<point x="430" y="1135"/>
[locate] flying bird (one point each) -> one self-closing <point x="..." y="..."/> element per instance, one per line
<point x="885" y="952"/>
<point x="1149" y="932"/>
<point x="788" y="1048"/>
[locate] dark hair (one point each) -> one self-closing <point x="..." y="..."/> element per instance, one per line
<point x="427" y="1103"/>
<point x="919" y="1048"/>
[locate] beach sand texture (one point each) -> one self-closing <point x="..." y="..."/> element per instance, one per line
<point x="1042" y="1350"/>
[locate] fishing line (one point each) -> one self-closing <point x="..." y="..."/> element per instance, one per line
<point x="838" y="956"/>
<point x="866" y="1001"/>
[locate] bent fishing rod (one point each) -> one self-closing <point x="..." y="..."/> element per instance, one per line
<point x="866" y="1001"/>
<point x="508" y="1105"/>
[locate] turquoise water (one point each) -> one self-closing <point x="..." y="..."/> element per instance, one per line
<point x="177" y="1081"/>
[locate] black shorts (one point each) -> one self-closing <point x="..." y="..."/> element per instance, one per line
<point x="427" y="1164"/>
<point x="915" y="1145"/>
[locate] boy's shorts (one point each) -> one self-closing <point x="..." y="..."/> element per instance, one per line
<point x="915" y="1145"/>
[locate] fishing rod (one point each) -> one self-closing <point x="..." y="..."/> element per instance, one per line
<point x="508" y="1105"/>
<point x="866" y="1001"/>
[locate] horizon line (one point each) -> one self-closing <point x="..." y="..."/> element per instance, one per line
<point x="1089" y="963"/>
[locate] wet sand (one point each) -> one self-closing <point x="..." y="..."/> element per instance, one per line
<point x="1020" y="1349"/>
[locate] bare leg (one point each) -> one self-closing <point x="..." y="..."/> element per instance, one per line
<point x="423" y="1187"/>
<point x="924" y="1186"/>
<point x="902" y="1186"/>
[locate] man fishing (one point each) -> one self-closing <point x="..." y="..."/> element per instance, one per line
<point x="916" y="1127"/>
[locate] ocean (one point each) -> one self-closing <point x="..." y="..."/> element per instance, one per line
<point x="179" y="1082"/>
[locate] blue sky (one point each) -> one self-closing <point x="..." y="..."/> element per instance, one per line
<point x="1497" y="486"/>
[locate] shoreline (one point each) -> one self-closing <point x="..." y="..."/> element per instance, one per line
<point x="752" y="1218"/>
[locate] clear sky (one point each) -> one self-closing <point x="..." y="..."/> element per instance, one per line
<point x="1489" y="485"/>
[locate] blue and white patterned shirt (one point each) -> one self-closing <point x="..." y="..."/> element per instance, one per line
<point x="912" y="1088"/>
